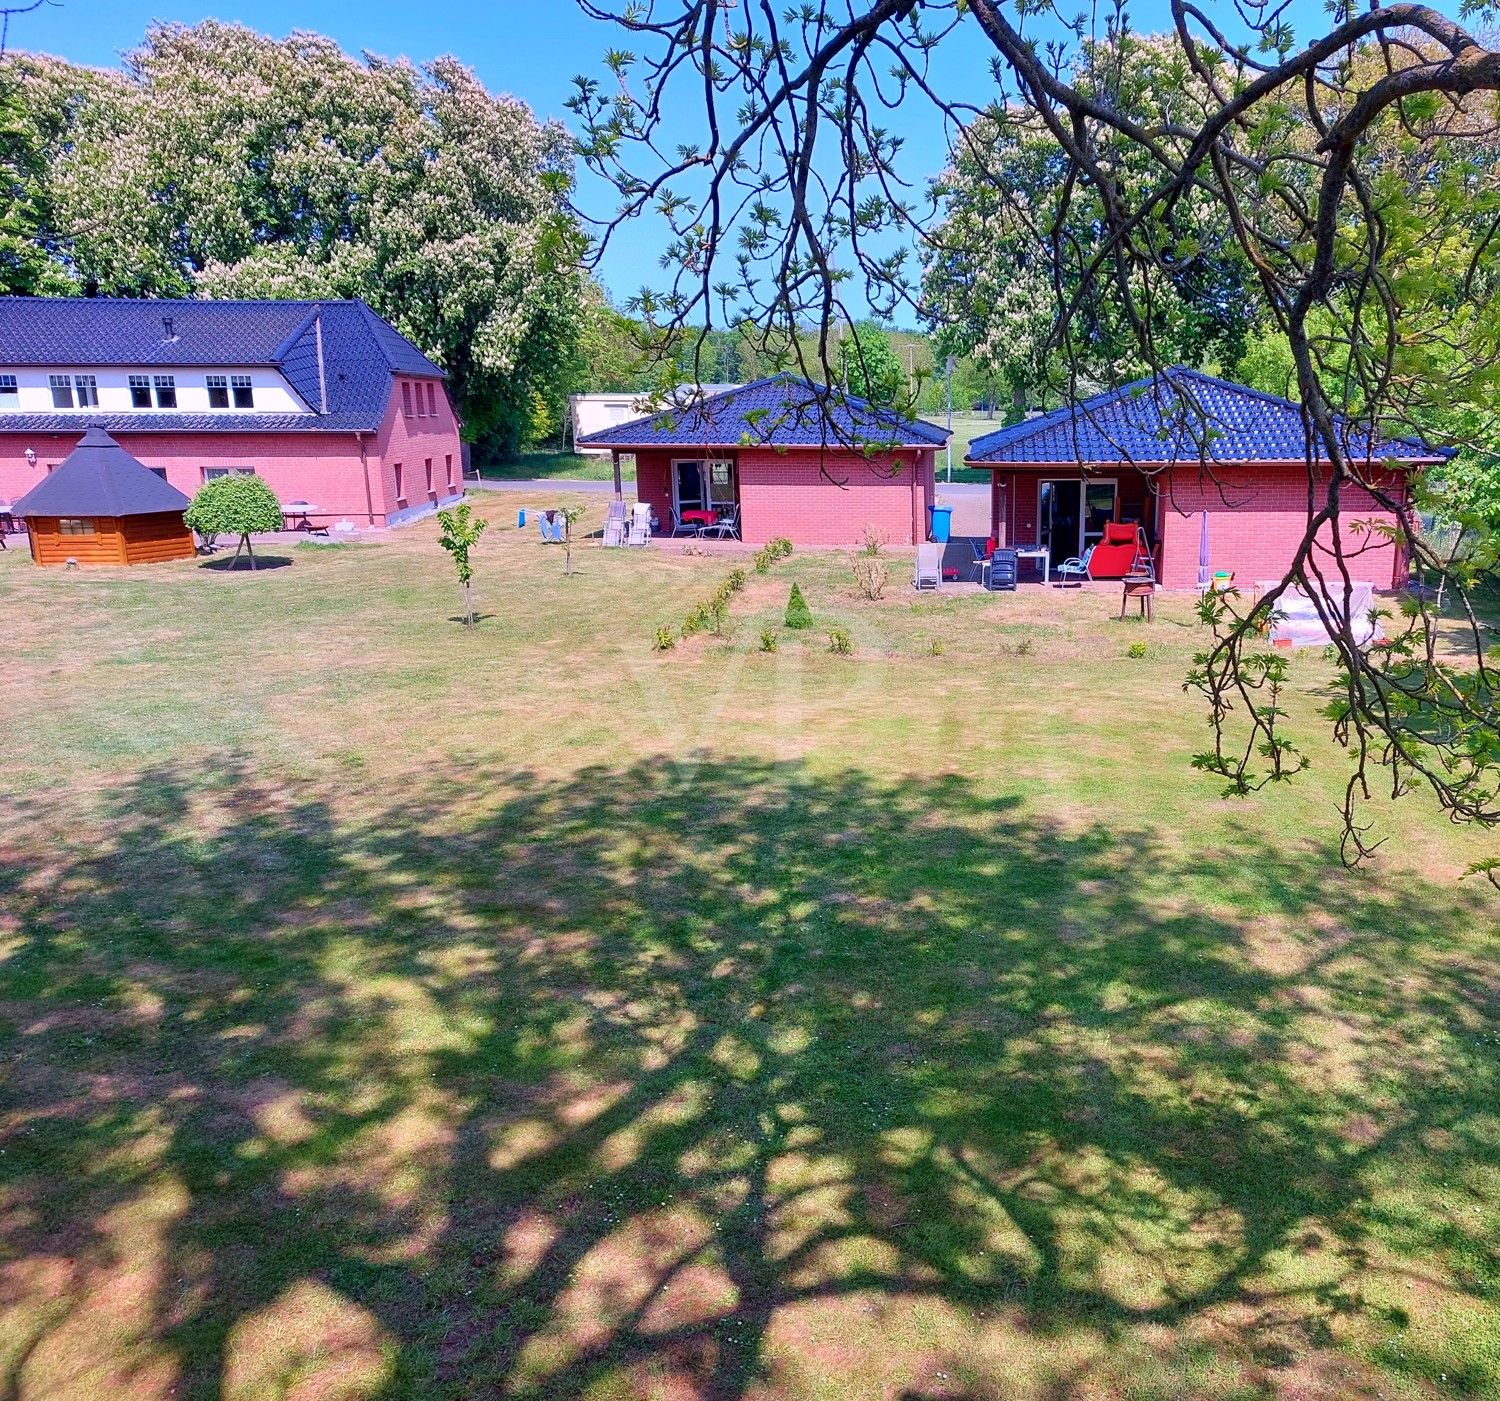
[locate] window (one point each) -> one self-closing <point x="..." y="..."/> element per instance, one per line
<point x="10" y="396"/>
<point x="166" y="391"/>
<point x="428" y="466"/>
<point x="406" y="398"/>
<point x="140" y="392"/>
<point x="160" y="472"/>
<point x="400" y="486"/>
<point x="244" y="392"/>
<point x="448" y="465"/>
<point x="432" y="400"/>
<point x="62" y="391"/>
<point x="213" y="473"/>
<point x="218" y="392"/>
<point x="87" y="388"/>
<point x="74" y="526"/>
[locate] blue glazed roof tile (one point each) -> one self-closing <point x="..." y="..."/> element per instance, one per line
<point x="779" y="411"/>
<point x="361" y="352"/>
<point x="1180" y="416"/>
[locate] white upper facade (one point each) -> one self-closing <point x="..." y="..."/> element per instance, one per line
<point x="229" y="389"/>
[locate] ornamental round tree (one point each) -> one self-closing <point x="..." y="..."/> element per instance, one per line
<point x="235" y="505"/>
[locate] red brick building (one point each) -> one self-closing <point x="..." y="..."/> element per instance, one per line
<point x="779" y="457"/>
<point x="327" y="402"/>
<point x="1190" y="457"/>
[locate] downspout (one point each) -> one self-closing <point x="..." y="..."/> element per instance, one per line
<point x="364" y="463"/>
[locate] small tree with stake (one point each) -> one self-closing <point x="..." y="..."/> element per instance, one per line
<point x="241" y="505"/>
<point x="461" y="530"/>
<point x="569" y="514"/>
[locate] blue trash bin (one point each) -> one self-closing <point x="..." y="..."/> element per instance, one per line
<point x="521" y="518"/>
<point x="942" y="519"/>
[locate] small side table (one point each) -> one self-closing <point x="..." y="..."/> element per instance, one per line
<point x="1141" y="587"/>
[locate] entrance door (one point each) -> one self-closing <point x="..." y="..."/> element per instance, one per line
<point x="688" y="486"/>
<point x="1073" y="515"/>
<point x="1060" y="519"/>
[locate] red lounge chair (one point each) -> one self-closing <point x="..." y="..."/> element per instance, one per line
<point x="1115" y="555"/>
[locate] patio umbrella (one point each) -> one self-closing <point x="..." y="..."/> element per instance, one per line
<point x="1205" y="577"/>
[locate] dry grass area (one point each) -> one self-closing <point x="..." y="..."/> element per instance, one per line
<point x="392" y="1012"/>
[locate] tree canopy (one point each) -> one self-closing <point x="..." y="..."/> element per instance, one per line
<point x="240" y="504"/>
<point x="222" y="162"/>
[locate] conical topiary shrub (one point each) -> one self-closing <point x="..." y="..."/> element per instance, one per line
<point x="798" y="614"/>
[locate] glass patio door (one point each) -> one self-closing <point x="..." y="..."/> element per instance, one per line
<point x="689" y="490"/>
<point x="1060" y="519"/>
<point x="1098" y="507"/>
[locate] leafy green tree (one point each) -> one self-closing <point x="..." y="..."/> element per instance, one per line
<point x="868" y="366"/>
<point x="29" y="265"/>
<point x="1017" y="235"/>
<point x="235" y="505"/>
<point x="459" y="531"/>
<point x="226" y="163"/>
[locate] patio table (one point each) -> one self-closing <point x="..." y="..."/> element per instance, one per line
<point x="695" y="517"/>
<point x="1038" y="555"/>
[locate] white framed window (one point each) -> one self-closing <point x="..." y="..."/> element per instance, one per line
<point x="62" y="391"/>
<point x="140" y="391"/>
<point x="218" y="391"/>
<point x="10" y="394"/>
<point x="87" y="389"/>
<point x="244" y="391"/>
<point x="166" y="391"/>
<point x="213" y="473"/>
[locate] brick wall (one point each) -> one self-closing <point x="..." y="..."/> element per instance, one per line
<point x="323" y="468"/>
<point x="414" y="440"/>
<point x="1256" y="530"/>
<point x="787" y="494"/>
<point x="1254" y="525"/>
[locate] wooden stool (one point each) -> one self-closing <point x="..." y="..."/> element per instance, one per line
<point x="1141" y="587"/>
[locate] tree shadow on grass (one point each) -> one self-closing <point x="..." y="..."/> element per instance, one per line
<point x="532" y="1087"/>
<point x="229" y="565"/>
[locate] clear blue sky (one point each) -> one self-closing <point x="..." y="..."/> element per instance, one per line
<point x="530" y="48"/>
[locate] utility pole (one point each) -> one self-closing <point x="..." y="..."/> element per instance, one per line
<point x="949" y="368"/>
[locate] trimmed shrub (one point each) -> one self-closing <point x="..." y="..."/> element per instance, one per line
<point x="1137" y="650"/>
<point x="798" y="614"/>
<point x="839" y="641"/>
<point x="768" y="639"/>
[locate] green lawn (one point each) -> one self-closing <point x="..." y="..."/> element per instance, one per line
<point x="539" y="463"/>
<point x="392" y="1012"/>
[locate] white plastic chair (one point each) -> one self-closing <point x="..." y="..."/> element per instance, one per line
<point x="640" y="524"/>
<point x="928" y="573"/>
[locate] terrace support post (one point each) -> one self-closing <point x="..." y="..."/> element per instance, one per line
<point x="995" y="515"/>
<point x="619" y="490"/>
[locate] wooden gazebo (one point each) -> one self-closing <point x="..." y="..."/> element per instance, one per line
<point x="101" y="506"/>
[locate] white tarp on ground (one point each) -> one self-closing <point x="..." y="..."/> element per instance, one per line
<point x="1302" y="625"/>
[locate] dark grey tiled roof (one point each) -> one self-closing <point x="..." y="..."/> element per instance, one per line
<point x="360" y="355"/>
<point x="779" y="411"/>
<point x="99" y="478"/>
<point x="1172" y="419"/>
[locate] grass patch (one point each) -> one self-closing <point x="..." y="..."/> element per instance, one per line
<point x="392" y="1013"/>
<point x="542" y="463"/>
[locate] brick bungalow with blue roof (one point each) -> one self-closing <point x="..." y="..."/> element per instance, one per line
<point x="794" y="462"/>
<point x="1166" y="452"/>
<point x="326" y="401"/>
